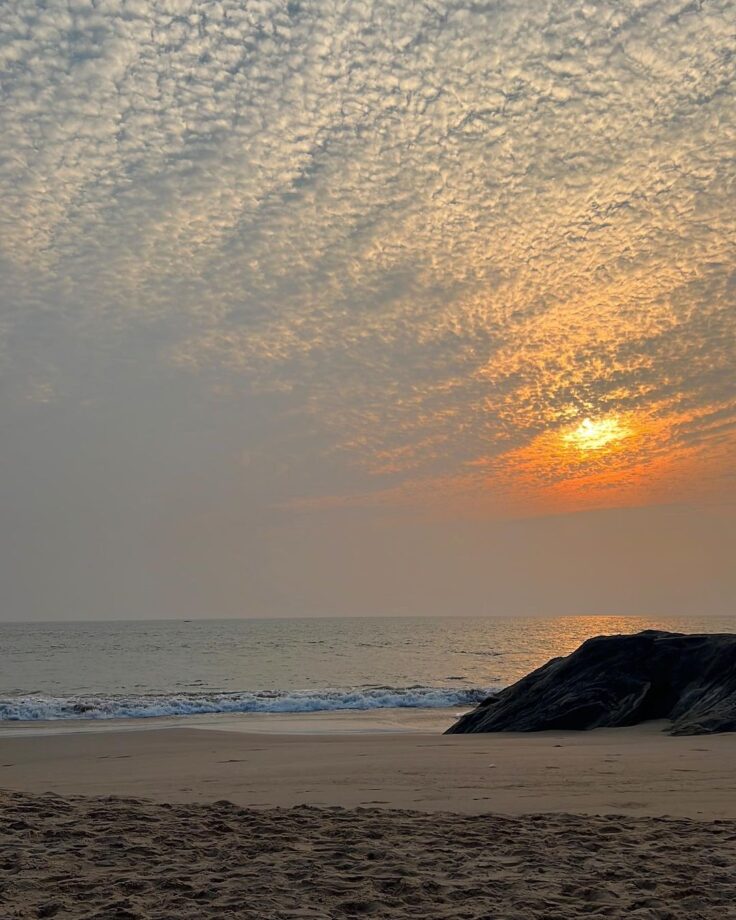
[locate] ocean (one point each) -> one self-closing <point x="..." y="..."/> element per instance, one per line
<point x="139" y="669"/>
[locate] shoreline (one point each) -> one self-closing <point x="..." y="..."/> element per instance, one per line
<point x="342" y="721"/>
<point x="637" y="771"/>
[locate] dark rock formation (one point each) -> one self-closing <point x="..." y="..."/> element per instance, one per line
<point x="621" y="680"/>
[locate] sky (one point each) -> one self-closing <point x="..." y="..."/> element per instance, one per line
<point x="367" y="308"/>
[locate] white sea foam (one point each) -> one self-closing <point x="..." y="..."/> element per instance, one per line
<point x="36" y="707"/>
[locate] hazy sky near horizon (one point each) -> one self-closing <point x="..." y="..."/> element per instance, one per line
<point x="375" y="307"/>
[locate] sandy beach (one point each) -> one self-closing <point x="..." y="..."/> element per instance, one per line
<point x="261" y="762"/>
<point x="241" y="817"/>
<point x="127" y="859"/>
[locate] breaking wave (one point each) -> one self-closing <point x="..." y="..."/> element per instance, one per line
<point x="36" y="707"/>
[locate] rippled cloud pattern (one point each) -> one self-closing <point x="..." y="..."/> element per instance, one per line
<point x="444" y="232"/>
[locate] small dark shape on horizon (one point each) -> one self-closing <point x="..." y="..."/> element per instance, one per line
<point x="613" y="681"/>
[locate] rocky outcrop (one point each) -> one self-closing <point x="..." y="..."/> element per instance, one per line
<point x="610" y="681"/>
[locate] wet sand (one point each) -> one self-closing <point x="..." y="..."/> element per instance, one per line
<point x="638" y="771"/>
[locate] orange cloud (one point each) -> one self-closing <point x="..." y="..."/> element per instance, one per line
<point x="626" y="460"/>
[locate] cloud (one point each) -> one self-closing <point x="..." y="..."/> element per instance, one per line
<point x="444" y="229"/>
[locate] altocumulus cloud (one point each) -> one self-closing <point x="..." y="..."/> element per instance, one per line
<point x="443" y="228"/>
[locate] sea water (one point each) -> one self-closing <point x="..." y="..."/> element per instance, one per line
<point x="137" y="669"/>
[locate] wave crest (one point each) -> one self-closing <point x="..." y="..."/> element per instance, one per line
<point x="38" y="707"/>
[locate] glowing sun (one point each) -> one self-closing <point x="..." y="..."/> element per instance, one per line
<point x="595" y="434"/>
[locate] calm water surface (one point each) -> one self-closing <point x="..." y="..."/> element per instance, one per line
<point x="108" y="670"/>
